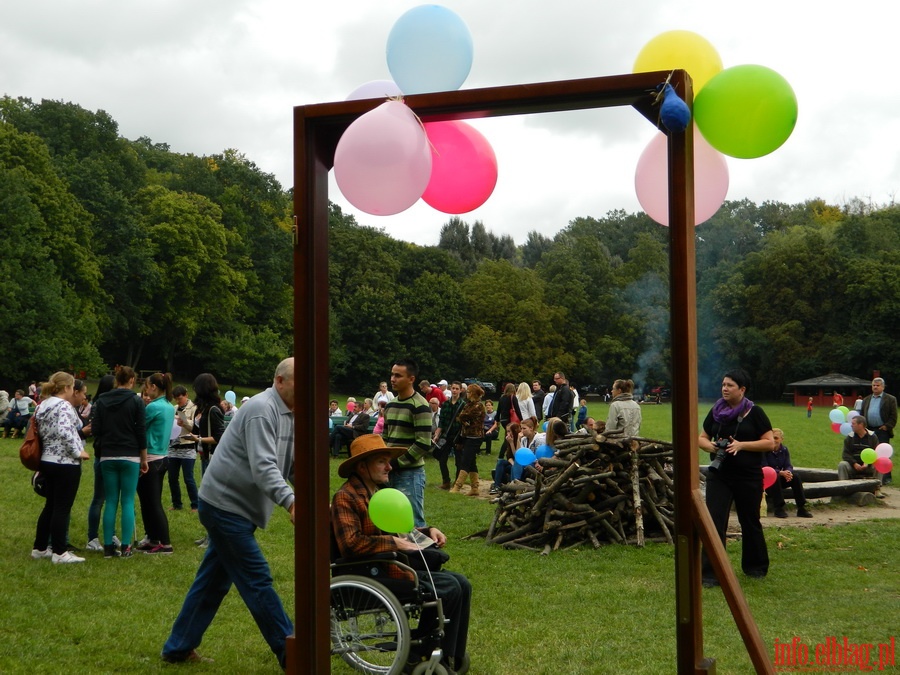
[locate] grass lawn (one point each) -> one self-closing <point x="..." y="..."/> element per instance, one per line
<point x="580" y="611"/>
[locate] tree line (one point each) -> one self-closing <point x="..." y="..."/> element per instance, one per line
<point x="122" y="251"/>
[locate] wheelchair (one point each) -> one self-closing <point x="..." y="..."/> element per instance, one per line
<point x="377" y="624"/>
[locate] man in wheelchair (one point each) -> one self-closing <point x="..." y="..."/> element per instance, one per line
<point x="357" y="536"/>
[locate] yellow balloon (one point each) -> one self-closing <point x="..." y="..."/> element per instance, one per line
<point x="680" y="49"/>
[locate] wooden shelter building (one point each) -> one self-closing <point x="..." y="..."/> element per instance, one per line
<point x="822" y="389"/>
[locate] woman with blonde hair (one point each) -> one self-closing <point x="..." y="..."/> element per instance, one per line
<point x="624" y="412"/>
<point x="526" y="403"/>
<point x="57" y="424"/>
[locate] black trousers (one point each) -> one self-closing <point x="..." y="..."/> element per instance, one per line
<point x="774" y="492"/>
<point x="442" y="455"/>
<point x="743" y="488"/>
<point x="341" y="437"/>
<point x="61" y="488"/>
<point x="455" y="593"/>
<point x="149" y="491"/>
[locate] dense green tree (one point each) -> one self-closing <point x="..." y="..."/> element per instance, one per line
<point x="51" y="287"/>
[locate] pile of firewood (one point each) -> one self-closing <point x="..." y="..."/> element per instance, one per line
<point x="596" y="488"/>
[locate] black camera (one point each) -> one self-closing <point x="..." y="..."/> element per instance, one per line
<point x="721" y="444"/>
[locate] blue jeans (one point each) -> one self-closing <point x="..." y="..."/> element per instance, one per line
<point x="411" y="482"/>
<point x="186" y="467"/>
<point x="233" y="557"/>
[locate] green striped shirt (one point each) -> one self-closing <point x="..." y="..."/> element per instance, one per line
<point x="407" y="422"/>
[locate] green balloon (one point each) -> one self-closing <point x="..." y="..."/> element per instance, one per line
<point x="746" y="111"/>
<point x="868" y="456"/>
<point x="391" y="511"/>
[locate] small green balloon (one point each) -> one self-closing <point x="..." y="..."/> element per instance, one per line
<point x="391" y="511"/>
<point x="746" y="111"/>
<point x="868" y="456"/>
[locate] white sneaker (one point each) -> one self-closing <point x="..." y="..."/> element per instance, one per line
<point x="65" y="558"/>
<point x="94" y="545"/>
<point x="38" y="554"/>
<point x="143" y="542"/>
<point x="116" y="541"/>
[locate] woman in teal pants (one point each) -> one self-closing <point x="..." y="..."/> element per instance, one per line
<point x="119" y="426"/>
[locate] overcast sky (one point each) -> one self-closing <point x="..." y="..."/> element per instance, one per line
<point x="206" y="75"/>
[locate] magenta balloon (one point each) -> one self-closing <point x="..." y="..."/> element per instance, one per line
<point x="463" y="168"/>
<point x="382" y="163"/>
<point x="651" y="179"/>
<point x="769" y="477"/>
<point x="375" y="89"/>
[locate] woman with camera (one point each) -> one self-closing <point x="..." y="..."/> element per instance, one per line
<point x="737" y="433"/>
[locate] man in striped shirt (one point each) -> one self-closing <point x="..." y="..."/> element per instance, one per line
<point x="407" y="423"/>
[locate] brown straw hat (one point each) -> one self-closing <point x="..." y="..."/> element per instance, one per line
<point x="364" y="447"/>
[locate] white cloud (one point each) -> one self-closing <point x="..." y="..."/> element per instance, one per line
<point x="207" y="75"/>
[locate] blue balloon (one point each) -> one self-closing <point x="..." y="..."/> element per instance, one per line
<point x="429" y="49"/>
<point x="230" y="397"/>
<point x="544" y="451"/>
<point x="836" y="416"/>
<point x="544" y="427"/>
<point x="674" y="113"/>
<point x="525" y="457"/>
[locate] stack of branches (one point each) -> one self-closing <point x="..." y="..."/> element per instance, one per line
<point x="597" y="488"/>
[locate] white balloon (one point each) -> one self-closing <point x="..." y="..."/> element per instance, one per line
<point x="375" y="89"/>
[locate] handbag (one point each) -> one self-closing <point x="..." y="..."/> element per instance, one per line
<point x="514" y="417"/>
<point x="31" y="449"/>
<point x="429" y="558"/>
<point x="39" y="484"/>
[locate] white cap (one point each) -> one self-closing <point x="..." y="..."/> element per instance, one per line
<point x="245" y="399"/>
<point x="442" y="383"/>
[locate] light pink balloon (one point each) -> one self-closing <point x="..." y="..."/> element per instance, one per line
<point x="382" y="163"/>
<point x="884" y="450"/>
<point x="463" y="167"/>
<point x="375" y="89"/>
<point x="651" y="179"/>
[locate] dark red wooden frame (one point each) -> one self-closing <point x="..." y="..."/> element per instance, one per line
<point x="317" y="129"/>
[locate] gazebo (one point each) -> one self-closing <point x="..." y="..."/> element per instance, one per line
<point x="822" y="388"/>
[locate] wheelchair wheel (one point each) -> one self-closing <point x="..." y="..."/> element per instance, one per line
<point x="369" y="629"/>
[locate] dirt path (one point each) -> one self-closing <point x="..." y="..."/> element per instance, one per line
<point x="825" y="513"/>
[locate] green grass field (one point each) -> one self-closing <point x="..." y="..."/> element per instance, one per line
<point x="580" y="611"/>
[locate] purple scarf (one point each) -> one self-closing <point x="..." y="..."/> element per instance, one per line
<point x="725" y="414"/>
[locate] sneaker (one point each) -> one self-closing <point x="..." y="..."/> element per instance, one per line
<point x="494" y="490"/>
<point x="37" y="554"/>
<point x="191" y="657"/>
<point x="66" y="558"/>
<point x="94" y="545"/>
<point x="110" y="551"/>
<point x="146" y="545"/>
<point x="165" y="549"/>
<point x="803" y="513"/>
<point x="127" y="552"/>
<point x="780" y="513"/>
<point x="174" y="508"/>
<point x="202" y="542"/>
<point x="117" y="541"/>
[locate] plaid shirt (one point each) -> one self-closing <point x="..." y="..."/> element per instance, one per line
<point x="354" y="531"/>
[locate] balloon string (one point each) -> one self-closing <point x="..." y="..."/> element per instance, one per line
<point x="410" y="537"/>
<point x="399" y="99"/>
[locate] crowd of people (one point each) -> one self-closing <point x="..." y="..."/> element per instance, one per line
<point x="137" y="438"/>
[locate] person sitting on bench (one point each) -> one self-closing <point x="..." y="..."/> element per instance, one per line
<point x="780" y="460"/>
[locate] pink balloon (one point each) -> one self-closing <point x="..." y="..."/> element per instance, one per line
<point x="769" y="477"/>
<point x="463" y="168"/>
<point x="651" y="179"/>
<point x="836" y="427"/>
<point x="884" y="450"/>
<point x="382" y="163"/>
<point x="375" y="89"/>
<point x="883" y="465"/>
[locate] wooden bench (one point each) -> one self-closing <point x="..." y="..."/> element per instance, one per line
<point x="820" y="483"/>
<point x="340" y="420"/>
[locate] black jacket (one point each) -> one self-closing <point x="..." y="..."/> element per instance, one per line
<point x="119" y="423"/>
<point x="561" y="406"/>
